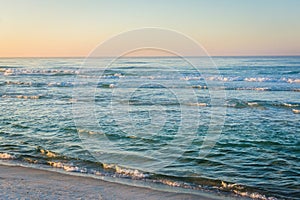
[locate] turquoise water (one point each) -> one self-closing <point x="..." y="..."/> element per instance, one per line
<point x="147" y="119"/>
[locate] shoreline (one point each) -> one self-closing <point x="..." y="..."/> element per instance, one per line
<point x="18" y="181"/>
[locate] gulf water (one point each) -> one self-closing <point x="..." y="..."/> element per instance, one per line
<point x="232" y="128"/>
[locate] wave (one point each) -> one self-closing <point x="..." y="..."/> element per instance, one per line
<point x="48" y="72"/>
<point x="134" y="173"/>
<point x="89" y="132"/>
<point x="290" y="105"/>
<point x="263" y="89"/>
<point x="255" y="88"/>
<point x="242" y="191"/>
<point x="22" y="96"/>
<point x="241" y="78"/>
<point x="61" y="84"/>
<point x="43" y="84"/>
<point x="49" y="154"/>
<point x="230" y="103"/>
<point x="67" y="167"/>
<point x="115" y="171"/>
<point x="290" y="80"/>
<point x="17" y="83"/>
<point x="237" y="103"/>
<point x="121" y="172"/>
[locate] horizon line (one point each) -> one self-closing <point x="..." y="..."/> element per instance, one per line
<point x="8" y="57"/>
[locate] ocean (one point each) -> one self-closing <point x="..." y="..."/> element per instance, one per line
<point x="232" y="129"/>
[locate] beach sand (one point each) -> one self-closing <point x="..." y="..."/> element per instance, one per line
<point x="28" y="183"/>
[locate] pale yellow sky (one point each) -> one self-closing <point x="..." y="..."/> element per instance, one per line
<point x="74" y="28"/>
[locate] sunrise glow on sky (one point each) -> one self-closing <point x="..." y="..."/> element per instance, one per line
<point x="71" y="28"/>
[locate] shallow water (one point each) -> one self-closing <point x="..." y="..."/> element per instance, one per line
<point x="148" y="118"/>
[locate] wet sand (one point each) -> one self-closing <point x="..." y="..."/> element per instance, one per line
<point x="27" y="183"/>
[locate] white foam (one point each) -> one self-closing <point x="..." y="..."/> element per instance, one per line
<point x="49" y="154"/>
<point x="111" y="85"/>
<point x="295" y="111"/>
<point x="61" y="84"/>
<point x="118" y="75"/>
<point x="219" y="78"/>
<point x="10" y="72"/>
<point x="89" y="131"/>
<point x="238" y="189"/>
<point x="67" y="167"/>
<point x="128" y="172"/>
<point x="31" y="160"/>
<point x="290" y="105"/>
<point x="261" y="89"/>
<point x="56" y="164"/>
<point x="257" y="79"/>
<point x="148" y="77"/>
<point x="171" y="183"/>
<point x="71" y="168"/>
<point x="18" y="83"/>
<point x="252" y="104"/>
<point x="254" y="195"/>
<point x="21" y="96"/>
<point x="290" y="80"/>
<point x="6" y="156"/>
<point x="73" y="100"/>
<point x="198" y="104"/>
<point x="187" y="78"/>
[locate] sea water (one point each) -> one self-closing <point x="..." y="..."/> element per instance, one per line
<point x="149" y="119"/>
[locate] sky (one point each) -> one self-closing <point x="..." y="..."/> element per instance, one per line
<point x="71" y="28"/>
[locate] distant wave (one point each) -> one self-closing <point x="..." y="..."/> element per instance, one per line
<point x="264" y="89"/>
<point x="231" y="103"/>
<point x="21" y="96"/>
<point x="240" y="78"/>
<point x="49" y="72"/>
<point x="43" y="84"/>
<point x="237" y="103"/>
